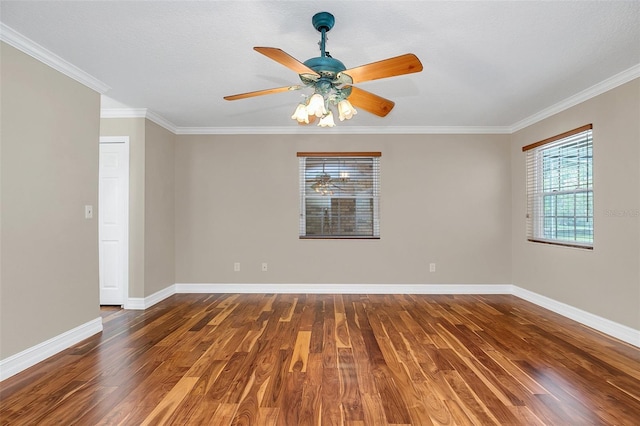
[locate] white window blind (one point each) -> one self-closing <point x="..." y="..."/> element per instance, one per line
<point x="339" y="195"/>
<point x="560" y="189"/>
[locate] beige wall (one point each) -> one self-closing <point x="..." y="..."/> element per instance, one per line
<point x="159" y="207"/>
<point x="49" y="262"/>
<point x="605" y="281"/>
<point x="135" y="129"/>
<point x="151" y="209"/>
<point x="444" y="199"/>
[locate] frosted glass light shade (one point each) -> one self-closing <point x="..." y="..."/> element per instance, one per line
<point x="346" y="110"/>
<point x="316" y="105"/>
<point x="327" y="120"/>
<point x="301" y="115"/>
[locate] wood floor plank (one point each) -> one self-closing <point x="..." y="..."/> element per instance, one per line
<point x="317" y="329"/>
<point x="467" y="399"/>
<point x="274" y="386"/>
<point x="267" y="416"/>
<point x="166" y="407"/>
<point x="218" y="319"/>
<point x="330" y="404"/>
<point x="458" y="416"/>
<point x="196" y="408"/>
<point x="290" y="400"/>
<point x="298" y="359"/>
<point x="300" y="356"/>
<point x="407" y="389"/>
<point x="489" y="398"/>
<point x="247" y="412"/>
<point x="286" y="317"/>
<point x="308" y="314"/>
<point x="225" y="413"/>
<point x="362" y="366"/>
<point x="226" y="381"/>
<point x="373" y="410"/>
<point x="189" y="410"/>
<point x="311" y="399"/>
<point x="350" y="398"/>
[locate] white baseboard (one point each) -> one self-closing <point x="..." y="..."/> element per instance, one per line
<point x="613" y="329"/>
<point x="347" y="288"/>
<point x="142" y="303"/>
<point x="35" y="354"/>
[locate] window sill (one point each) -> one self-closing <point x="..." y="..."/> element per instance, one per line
<point x="337" y="237"/>
<point x="561" y="244"/>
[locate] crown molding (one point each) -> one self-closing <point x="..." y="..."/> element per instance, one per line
<point x="296" y="130"/>
<point x="33" y="49"/>
<point x="162" y="122"/>
<point x="139" y="113"/>
<point x="591" y="92"/>
<point x="360" y="130"/>
<point x="123" y="113"/>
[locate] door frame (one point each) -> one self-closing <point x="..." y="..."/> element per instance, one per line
<point x="125" y="238"/>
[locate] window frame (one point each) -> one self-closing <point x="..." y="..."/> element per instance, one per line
<point x="375" y="197"/>
<point x="536" y="193"/>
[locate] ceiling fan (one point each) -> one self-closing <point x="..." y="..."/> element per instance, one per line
<point x="332" y="82"/>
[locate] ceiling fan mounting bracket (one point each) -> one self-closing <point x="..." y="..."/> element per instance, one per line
<point x="323" y="20"/>
<point x="324" y="65"/>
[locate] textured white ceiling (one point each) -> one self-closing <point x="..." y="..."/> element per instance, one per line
<point x="486" y="63"/>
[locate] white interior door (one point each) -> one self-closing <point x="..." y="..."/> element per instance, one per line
<point x="113" y="214"/>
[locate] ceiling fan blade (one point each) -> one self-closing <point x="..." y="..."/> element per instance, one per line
<point x="399" y="65"/>
<point x="369" y="102"/>
<point x="261" y="92"/>
<point x="285" y="59"/>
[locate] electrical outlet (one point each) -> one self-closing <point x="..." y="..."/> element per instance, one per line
<point x="432" y="267"/>
<point x="236" y="266"/>
<point x="265" y="267"/>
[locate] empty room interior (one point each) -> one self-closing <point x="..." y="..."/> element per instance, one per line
<point x="358" y="213"/>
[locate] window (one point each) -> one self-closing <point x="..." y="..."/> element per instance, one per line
<point x="560" y="189"/>
<point x="339" y="194"/>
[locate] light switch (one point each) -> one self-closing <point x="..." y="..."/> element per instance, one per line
<point x="88" y="212"/>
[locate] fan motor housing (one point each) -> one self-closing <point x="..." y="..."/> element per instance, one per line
<point x="325" y="66"/>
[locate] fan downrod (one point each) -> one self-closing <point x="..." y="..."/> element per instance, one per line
<point x="323" y="20"/>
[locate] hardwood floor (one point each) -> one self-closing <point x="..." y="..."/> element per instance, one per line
<point x="285" y="359"/>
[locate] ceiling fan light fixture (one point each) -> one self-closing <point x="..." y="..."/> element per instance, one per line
<point x="332" y="82"/>
<point x="316" y="105"/>
<point x="346" y="110"/>
<point x="327" y="120"/>
<point x="300" y="114"/>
